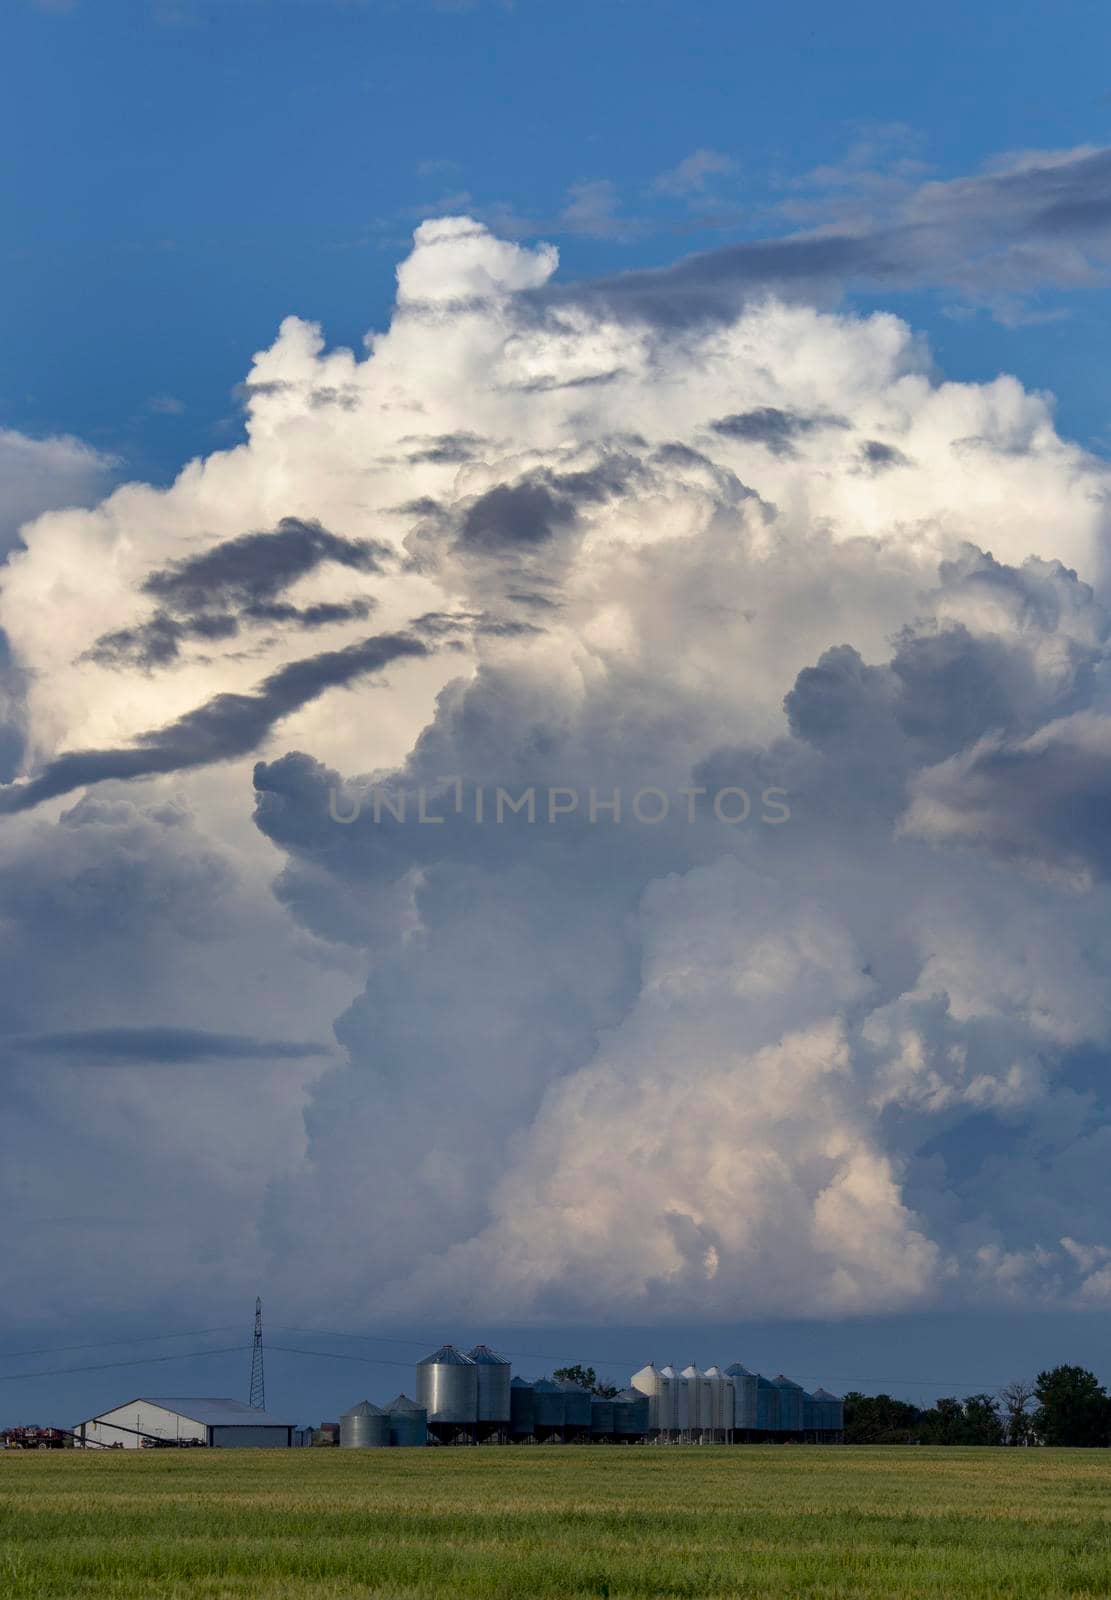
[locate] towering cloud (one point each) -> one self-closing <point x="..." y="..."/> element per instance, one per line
<point x="704" y="852"/>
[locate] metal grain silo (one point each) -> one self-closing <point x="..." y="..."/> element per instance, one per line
<point x="447" y="1388"/>
<point x="744" y="1397"/>
<point x="522" y="1409"/>
<point x="650" y="1381"/>
<point x="576" y="1408"/>
<point x="364" y="1427"/>
<point x="408" y="1422"/>
<point x="632" y="1414"/>
<point x="493" y="1374"/>
<point x="831" y="1412"/>
<point x="700" y="1400"/>
<point x="680" y="1400"/>
<point x="549" y="1406"/>
<point x="601" y="1417"/>
<point x="724" y="1400"/>
<point x="767" y="1405"/>
<point x="790" y="1404"/>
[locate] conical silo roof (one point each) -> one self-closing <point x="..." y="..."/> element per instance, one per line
<point x="446" y="1356"/>
<point x="824" y="1394"/>
<point x="365" y="1408"/>
<point x="737" y="1371"/>
<point x="483" y="1356"/>
<point x="402" y="1402"/>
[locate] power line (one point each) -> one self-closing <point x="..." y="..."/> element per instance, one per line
<point x="107" y="1366"/>
<point x="534" y="1355"/>
<point x="339" y="1355"/>
<point x="384" y="1361"/>
<point x="105" y="1344"/>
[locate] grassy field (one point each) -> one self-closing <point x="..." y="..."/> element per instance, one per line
<point x="561" y="1522"/>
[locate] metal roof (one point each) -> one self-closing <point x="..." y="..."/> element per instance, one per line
<point x="401" y="1402"/>
<point x="215" y="1413"/>
<point x="483" y="1356"/>
<point x="823" y="1394"/>
<point x="446" y="1356"/>
<point x="365" y="1408"/>
<point x="737" y="1371"/>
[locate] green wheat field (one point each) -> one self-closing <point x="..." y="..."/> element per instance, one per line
<point x="561" y="1521"/>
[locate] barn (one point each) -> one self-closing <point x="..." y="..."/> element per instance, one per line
<point x="223" y="1424"/>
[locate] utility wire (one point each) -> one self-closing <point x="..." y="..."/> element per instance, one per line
<point x="104" y="1344"/>
<point x="532" y="1355"/>
<point x="106" y="1366"/>
<point x="380" y="1361"/>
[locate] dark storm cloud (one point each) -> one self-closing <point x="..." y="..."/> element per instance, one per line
<point x="226" y="726"/>
<point x="515" y="514"/>
<point x="257" y="566"/>
<point x="167" y="1045"/>
<point x="159" y="641"/>
<point x="775" y="429"/>
<point x="1045" y="223"/>
<point x="957" y="719"/>
<point x="877" y="457"/>
<point x="211" y="595"/>
<point x="446" y="448"/>
<point x="1043" y="800"/>
<point x="528" y="512"/>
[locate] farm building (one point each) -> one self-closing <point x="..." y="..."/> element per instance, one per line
<point x="223" y="1424"/>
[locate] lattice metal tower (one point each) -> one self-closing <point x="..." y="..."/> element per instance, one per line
<point x="258" y="1381"/>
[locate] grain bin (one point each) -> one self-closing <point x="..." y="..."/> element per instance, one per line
<point x="601" y="1417"/>
<point x="631" y="1414"/>
<point x="790" y="1404"/>
<point x="723" y="1402"/>
<point x="549" y="1407"/>
<point x="364" y="1427"/>
<point x="447" y="1388"/>
<point x="408" y="1422"/>
<point x="522" y="1409"/>
<point x="767" y="1405"/>
<point x="700" y="1399"/>
<point x="576" y="1408"/>
<point x="744" y="1397"/>
<point x="831" y="1411"/>
<point x="492" y="1374"/>
<point x="650" y="1381"/>
<point x="680" y="1400"/>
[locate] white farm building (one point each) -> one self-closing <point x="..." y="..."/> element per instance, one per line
<point x="220" y="1423"/>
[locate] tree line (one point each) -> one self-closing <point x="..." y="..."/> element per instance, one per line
<point x="1063" y="1406"/>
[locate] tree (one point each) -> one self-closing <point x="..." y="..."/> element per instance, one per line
<point x="878" y="1419"/>
<point x="1015" y="1399"/>
<point x="586" y="1378"/>
<point x="1073" y="1408"/>
<point x="974" y="1420"/>
<point x="982" y="1422"/>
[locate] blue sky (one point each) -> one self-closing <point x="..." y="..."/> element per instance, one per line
<point x="181" y="175"/>
<point x="688" y="509"/>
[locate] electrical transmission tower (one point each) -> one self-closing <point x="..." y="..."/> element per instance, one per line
<point x="258" y="1382"/>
